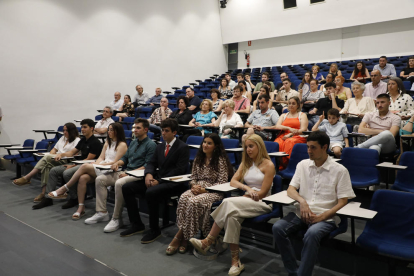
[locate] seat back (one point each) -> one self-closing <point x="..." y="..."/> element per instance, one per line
<point x="128" y="136"/>
<point x="150" y="135"/>
<point x="299" y="153"/>
<point x="115" y="118"/>
<point x="230" y="144"/>
<point x="98" y="117"/>
<point x="393" y="223"/>
<point x="28" y="143"/>
<point x="404" y="180"/>
<point x="361" y="165"/>
<point x="272" y="147"/>
<point x="194" y="140"/>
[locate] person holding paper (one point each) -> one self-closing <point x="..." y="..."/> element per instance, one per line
<point x="66" y="143"/>
<point x="89" y="147"/>
<point x="171" y="158"/>
<point x="138" y="155"/>
<point x="211" y="167"/>
<point x="356" y="108"/>
<point x="255" y="177"/>
<point x="324" y="188"/>
<point x="114" y="148"/>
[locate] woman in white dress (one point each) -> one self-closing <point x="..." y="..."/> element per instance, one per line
<point x="257" y="172"/>
<point x="66" y="143"/>
<point x="115" y="147"/>
<point x="228" y="118"/>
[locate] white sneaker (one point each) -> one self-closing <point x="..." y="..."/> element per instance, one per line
<point x="99" y="216"/>
<point x="113" y="225"/>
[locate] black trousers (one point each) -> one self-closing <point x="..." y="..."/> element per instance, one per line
<point x="154" y="196"/>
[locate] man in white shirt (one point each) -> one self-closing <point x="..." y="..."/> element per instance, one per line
<point x="376" y="87"/>
<point x="232" y="83"/>
<point x="324" y="188"/>
<point x="117" y="103"/>
<point x="141" y="97"/>
<point x="101" y="127"/>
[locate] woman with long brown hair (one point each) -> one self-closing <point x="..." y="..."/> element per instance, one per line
<point x="115" y="147"/>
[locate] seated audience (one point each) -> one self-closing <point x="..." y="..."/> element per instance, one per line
<point x="333" y="69"/>
<point x="116" y="104"/>
<point x="159" y="114"/>
<point x="127" y="109"/>
<point x="114" y="148"/>
<point x="343" y="93"/>
<point x="156" y="99"/>
<point x="337" y="131"/>
<point x="137" y="156"/>
<point x="329" y="78"/>
<point x="66" y="143"/>
<point x="141" y="97"/>
<point x="202" y="120"/>
<point x="255" y="177"/>
<point x="309" y="99"/>
<point x="261" y="119"/>
<point x="315" y="213"/>
<point x="194" y="101"/>
<point x="408" y="129"/>
<point x="401" y="102"/>
<point x="228" y="119"/>
<point x="89" y="147"/>
<point x="246" y="84"/>
<point x="279" y="87"/>
<point x="382" y="125"/>
<point x="211" y="167"/>
<point x="245" y="94"/>
<point x="171" y="158"/>
<point x="101" y="127"/>
<point x="323" y="105"/>
<point x="241" y="105"/>
<point x="356" y="108"/>
<point x="360" y="73"/>
<point x="215" y="98"/>
<point x="376" y="87"/>
<point x="408" y="72"/>
<point x="292" y="124"/>
<point x="248" y="80"/>
<point x="387" y="69"/>
<point x="224" y="89"/>
<point x="265" y="90"/>
<point x="232" y="83"/>
<point x="265" y="77"/>
<point x="183" y="115"/>
<point x="304" y="86"/>
<point x="285" y="93"/>
<point x="315" y="73"/>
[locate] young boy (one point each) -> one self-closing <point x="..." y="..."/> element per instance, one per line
<point x="337" y="131"/>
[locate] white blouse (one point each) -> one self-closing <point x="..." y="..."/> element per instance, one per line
<point x="365" y="105"/>
<point x="234" y="120"/>
<point x="61" y="147"/>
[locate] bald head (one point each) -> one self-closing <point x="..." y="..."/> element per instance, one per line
<point x="375" y="77"/>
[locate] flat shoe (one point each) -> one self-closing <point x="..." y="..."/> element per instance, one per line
<point x="39" y="198"/>
<point x="77" y="216"/>
<point x="20" y="181"/>
<point x="54" y="195"/>
<point x="236" y="270"/>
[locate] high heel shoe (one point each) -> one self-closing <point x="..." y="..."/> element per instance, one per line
<point x="171" y="250"/>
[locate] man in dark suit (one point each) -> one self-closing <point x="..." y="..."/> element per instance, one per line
<point x="171" y="158"/>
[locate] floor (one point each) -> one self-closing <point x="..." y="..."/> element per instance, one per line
<point x="48" y="242"/>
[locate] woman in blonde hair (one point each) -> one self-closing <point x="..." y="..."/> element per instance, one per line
<point x="333" y="69"/>
<point x="255" y="177"/>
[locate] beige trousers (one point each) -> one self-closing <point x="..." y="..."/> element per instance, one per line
<point x="45" y="165"/>
<point x="232" y="212"/>
<point x="111" y="179"/>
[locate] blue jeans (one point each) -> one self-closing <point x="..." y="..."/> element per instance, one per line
<point x="290" y="224"/>
<point x="384" y="142"/>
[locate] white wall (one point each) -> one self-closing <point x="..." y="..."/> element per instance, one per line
<point x="62" y="60"/>
<point x="245" y="20"/>
<point x="391" y="38"/>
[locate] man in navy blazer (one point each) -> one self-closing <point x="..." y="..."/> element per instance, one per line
<point x="171" y="158"/>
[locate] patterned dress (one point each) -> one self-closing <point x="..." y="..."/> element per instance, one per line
<point x="193" y="211"/>
<point x="129" y="109"/>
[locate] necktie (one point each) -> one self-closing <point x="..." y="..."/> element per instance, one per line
<point x="168" y="149"/>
